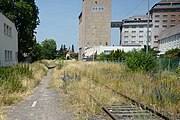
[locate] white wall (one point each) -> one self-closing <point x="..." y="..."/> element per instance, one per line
<point x="103" y="49"/>
<point x="8" y="42"/>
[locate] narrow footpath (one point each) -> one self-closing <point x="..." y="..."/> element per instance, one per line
<point x="44" y="104"/>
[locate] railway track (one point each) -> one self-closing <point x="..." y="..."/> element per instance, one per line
<point x="133" y="111"/>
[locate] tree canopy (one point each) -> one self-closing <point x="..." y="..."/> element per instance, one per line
<point x="24" y="13"/>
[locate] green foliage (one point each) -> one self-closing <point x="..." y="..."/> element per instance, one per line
<point x="10" y="77"/>
<point x="37" y="52"/>
<point x="24" y="13"/>
<point x="62" y="52"/>
<point x="49" y="49"/>
<point x="138" y="60"/>
<point x="114" y="55"/>
<point x="173" y="53"/>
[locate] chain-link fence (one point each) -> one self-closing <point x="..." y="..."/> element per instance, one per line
<point x="169" y="64"/>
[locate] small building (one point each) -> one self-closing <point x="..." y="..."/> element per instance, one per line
<point x="170" y="39"/>
<point x="134" y="30"/>
<point x="9" y="42"/>
<point x="108" y="49"/>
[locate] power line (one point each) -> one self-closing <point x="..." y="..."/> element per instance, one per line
<point x="134" y="9"/>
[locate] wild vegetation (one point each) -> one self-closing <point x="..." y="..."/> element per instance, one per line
<point x="157" y="90"/>
<point x="17" y="82"/>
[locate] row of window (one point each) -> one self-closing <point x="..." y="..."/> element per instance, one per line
<point x="134" y="31"/>
<point x="7" y="30"/>
<point x="133" y="42"/>
<point x="170" y="39"/>
<point x="97" y="8"/>
<point x="133" y="36"/>
<point x="164" y="26"/>
<point x="165" y="15"/>
<point x="167" y="21"/>
<point x="140" y="26"/>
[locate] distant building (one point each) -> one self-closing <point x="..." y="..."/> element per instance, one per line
<point x="94" y="24"/>
<point x="107" y="49"/>
<point x="170" y="39"/>
<point x="9" y="42"/>
<point x="165" y="14"/>
<point x="134" y="30"/>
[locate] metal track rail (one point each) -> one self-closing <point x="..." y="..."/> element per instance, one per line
<point x="144" y="107"/>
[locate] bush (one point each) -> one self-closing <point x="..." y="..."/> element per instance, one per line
<point x="173" y="53"/>
<point x="138" y="60"/>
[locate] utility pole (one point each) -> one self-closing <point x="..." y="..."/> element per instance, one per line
<point x="93" y="42"/>
<point x="147" y="30"/>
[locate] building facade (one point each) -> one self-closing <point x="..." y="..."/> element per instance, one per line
<point x="170" y="39"/>
<point x="9" y="42"/>
<point x="134" y="30"/>
<point x="165" y="14"/>
<point x="94" y="24"/>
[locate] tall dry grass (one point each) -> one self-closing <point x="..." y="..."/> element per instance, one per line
<point x="157" y="90"/>
<point x="20" y="82"/>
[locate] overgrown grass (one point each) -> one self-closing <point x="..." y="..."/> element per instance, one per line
<point x="17" y="82"/>
<point x="158" y="90"/>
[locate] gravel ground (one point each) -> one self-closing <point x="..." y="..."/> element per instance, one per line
<point x="44" y="104"/>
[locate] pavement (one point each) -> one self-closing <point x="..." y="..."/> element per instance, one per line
<point x="44" y="104"/>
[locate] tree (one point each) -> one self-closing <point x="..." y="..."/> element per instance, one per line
<point x="24" y="13"/>
<point x="173" y="53"/>
<point x="49" y="49"/>
<point x="72" y="48"/>
<point x="37" y="53"/>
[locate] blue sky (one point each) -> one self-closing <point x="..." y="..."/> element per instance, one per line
<point x="59" y="18"/>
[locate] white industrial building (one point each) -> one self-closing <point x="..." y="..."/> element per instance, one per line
<point x="134" y="30"/>
<point x="9" y="42"/>
<point x="170" y="39"/>
<point x="107" y="49"/>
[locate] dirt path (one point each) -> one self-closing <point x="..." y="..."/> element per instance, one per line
<point x="44" y="104"/>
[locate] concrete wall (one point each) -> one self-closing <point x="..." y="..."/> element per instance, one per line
<point x="9" y="42"/>
<point x="170" y="39"/>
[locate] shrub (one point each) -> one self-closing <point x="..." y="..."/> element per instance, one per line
<point x="138" y="60"/>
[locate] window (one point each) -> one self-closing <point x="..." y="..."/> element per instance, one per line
<point x="173" y="15"/>
<point x="8" y="55"/>
<point x="141" y="36"/>
<point x="106" y="43"/>
<point x="156" y="20"/>
<point x="126" y="31"/>
<point x="172" y="25"/>
<point x="141" y="31"/>
<point x="133" y="36"/>
<point x="141" y="26"/>
<point x="125" y="42"/>
<point x="133" y="42"/>
<point x="164" y="26"/>
<point x="7" y="30"/>
<point x="126" y="26"/>
<point x="164" y="20"/>
<point x="125" y="36"/>
<point x="173" y="20"/>
<point x="157" y="16"/>
<point x="165" y="15"/>
<point x="133" y="26"/>
<point x="156" y="26"/>
<point x="140" y="42"/>
<point x="133" y="31"/>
